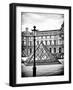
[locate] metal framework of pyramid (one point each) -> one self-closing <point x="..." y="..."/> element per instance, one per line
<point x="42" y="56"/>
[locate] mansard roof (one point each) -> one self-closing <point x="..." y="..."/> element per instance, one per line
<point x="44" y="33"/>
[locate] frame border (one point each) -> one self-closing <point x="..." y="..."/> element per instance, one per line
<point x="12" y="43"/>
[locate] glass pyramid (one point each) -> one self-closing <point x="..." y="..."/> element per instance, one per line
<point x="42" y="56"/>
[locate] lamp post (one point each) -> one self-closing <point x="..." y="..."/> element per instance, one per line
<point x="34" y="63"/>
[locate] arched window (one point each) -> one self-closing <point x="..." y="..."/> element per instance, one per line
<point x="60" y="50"/>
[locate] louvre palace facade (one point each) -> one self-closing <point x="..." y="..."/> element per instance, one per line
<point x="52" y="39"/>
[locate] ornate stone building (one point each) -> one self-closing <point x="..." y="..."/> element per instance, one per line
<point x="52" y="39"/>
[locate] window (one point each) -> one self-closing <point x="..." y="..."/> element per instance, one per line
<point x="52" y="37"/>
<point x="37" y="42"/>
<point x="44" y="37"/>
<point x="46" y="42"/>
<point x="36" y="38"/>
<point x="30" y="50"/>
<point x="50" y="42"/>
<point x="60" y="41"/>
<point x="41" y="41"/>
<point x="48" y="36"/>
<point x="50" y="50"/>
<point x="24" y="38"/>
<point x="41" y="37"/>
<point x="54" y="50"/>
<point x="59" y="50"/>
<point x="24" y="43"/>
<point x="30" y="43"/>
<point x="60" y="35"/>
<point x="29" y="38"/>
<point x="54" y="42"/>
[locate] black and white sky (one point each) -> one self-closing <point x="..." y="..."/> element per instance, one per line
<point x="42" y="21"/>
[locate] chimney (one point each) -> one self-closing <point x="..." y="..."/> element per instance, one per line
<point x="26" y="30"/>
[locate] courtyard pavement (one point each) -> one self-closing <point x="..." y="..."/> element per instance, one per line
<point x="43" y="70"/>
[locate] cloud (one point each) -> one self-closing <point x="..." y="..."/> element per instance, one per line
<point x="42" y="21"/>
